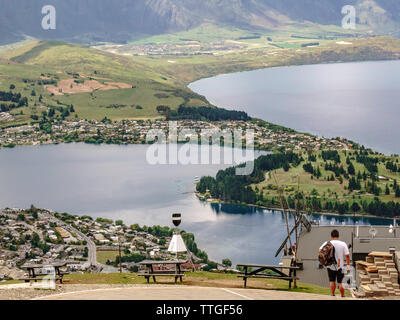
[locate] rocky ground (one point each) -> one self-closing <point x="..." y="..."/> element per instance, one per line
<point x="22" y="291"/>
<point x="11" y="273"/>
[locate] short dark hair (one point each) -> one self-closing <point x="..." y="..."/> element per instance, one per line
<point x="335" y="234"/>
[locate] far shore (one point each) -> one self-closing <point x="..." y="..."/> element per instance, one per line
<point x="357" y="215"/>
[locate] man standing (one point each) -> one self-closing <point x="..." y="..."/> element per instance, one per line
<point x="335" y="270"/>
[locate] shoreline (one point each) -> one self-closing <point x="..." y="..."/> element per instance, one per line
<point x="288" y="66"/>
<point x="381" y="60"/>
<point x="357" y="215"/>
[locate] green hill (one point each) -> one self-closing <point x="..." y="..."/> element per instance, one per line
<point x="118" y="85"/>
<point x="98" y="84"/>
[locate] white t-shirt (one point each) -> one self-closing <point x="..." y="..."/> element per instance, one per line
<point x="341" y="251"/>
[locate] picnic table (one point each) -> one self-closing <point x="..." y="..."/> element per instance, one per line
<point x="281" y="272"/>
<point x="35" y="276"/>
<point x="150" y="272"/>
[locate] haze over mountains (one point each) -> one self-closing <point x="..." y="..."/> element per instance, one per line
<point x="121" y="20"/>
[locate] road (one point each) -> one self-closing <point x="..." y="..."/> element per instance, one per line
<point x="184" y="293"/>
<point x="92" y="257"/>
<point x="28" y="226"/>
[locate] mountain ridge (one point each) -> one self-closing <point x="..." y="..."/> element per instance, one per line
<point x="85" y="21"/>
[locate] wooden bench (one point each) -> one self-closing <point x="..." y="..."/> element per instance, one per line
<point x="150" y="272"/>
<point x="33" y="276"/>
<point x="277" y="270"/>
<point x="165" y="274"/>
<point x="40" y="278"/>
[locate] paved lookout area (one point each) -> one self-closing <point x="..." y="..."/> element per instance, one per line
<point x="184" y="293"/>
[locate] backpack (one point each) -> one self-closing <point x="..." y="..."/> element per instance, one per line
<point x="326" y="255"/>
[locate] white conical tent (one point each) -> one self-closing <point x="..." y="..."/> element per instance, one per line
<point x="177" y="245"/>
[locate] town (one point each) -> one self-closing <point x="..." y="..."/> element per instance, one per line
<point x="83" y="244"/>
<point x="266" y="136"/>
<point x="184" y="47"/>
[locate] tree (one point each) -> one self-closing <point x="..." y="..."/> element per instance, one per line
<point x="354" y="184"/>
<point x="65" y="113"/>
<point x="12" y="87"/>
<point x="162" y="109"/>
<point x="308" y="168"/>
<point x="134" y="269"/>
<point x="35" y="240"/>
<point x="355" y="207"/>
<point x="210" y="265"/>
<point x="286" y="166"/>
<point x="351" y="171"/>
<point x="318" y="172"/>
<point x="226" y="262"/>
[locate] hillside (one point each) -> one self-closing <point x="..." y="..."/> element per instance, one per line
<point x="123" y="20"/>
<point x="99" y="83"/>
<point x="343" y="182"/>
<point x="96" y="83"/>
<point x="346" y="182"/>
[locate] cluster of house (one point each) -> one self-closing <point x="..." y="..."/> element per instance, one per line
<point x="132" y="241"/>
<point x="266" y="137"/>
<point x="5" y="116"/>
<point x="26" y="238"/>
<point x="185" y="47"/>
<point x="43" y="237"/>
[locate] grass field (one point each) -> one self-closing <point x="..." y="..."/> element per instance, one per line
<point x="103" y="256"/>
<point x="209" y="32"/>
<point x="205" y="33"/>
<point x="55" y="61"/>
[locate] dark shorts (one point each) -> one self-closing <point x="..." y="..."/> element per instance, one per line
<point x="335" y="276"/>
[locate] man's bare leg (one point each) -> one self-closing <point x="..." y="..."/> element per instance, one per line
<point x="341" y="289"/>
<point x="333" y="287"/>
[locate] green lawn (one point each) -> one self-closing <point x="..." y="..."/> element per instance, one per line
<point x="103" y="256"/>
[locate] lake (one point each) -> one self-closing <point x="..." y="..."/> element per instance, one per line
<point x="117" y="182"/>
<point x="359" y="101"/>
